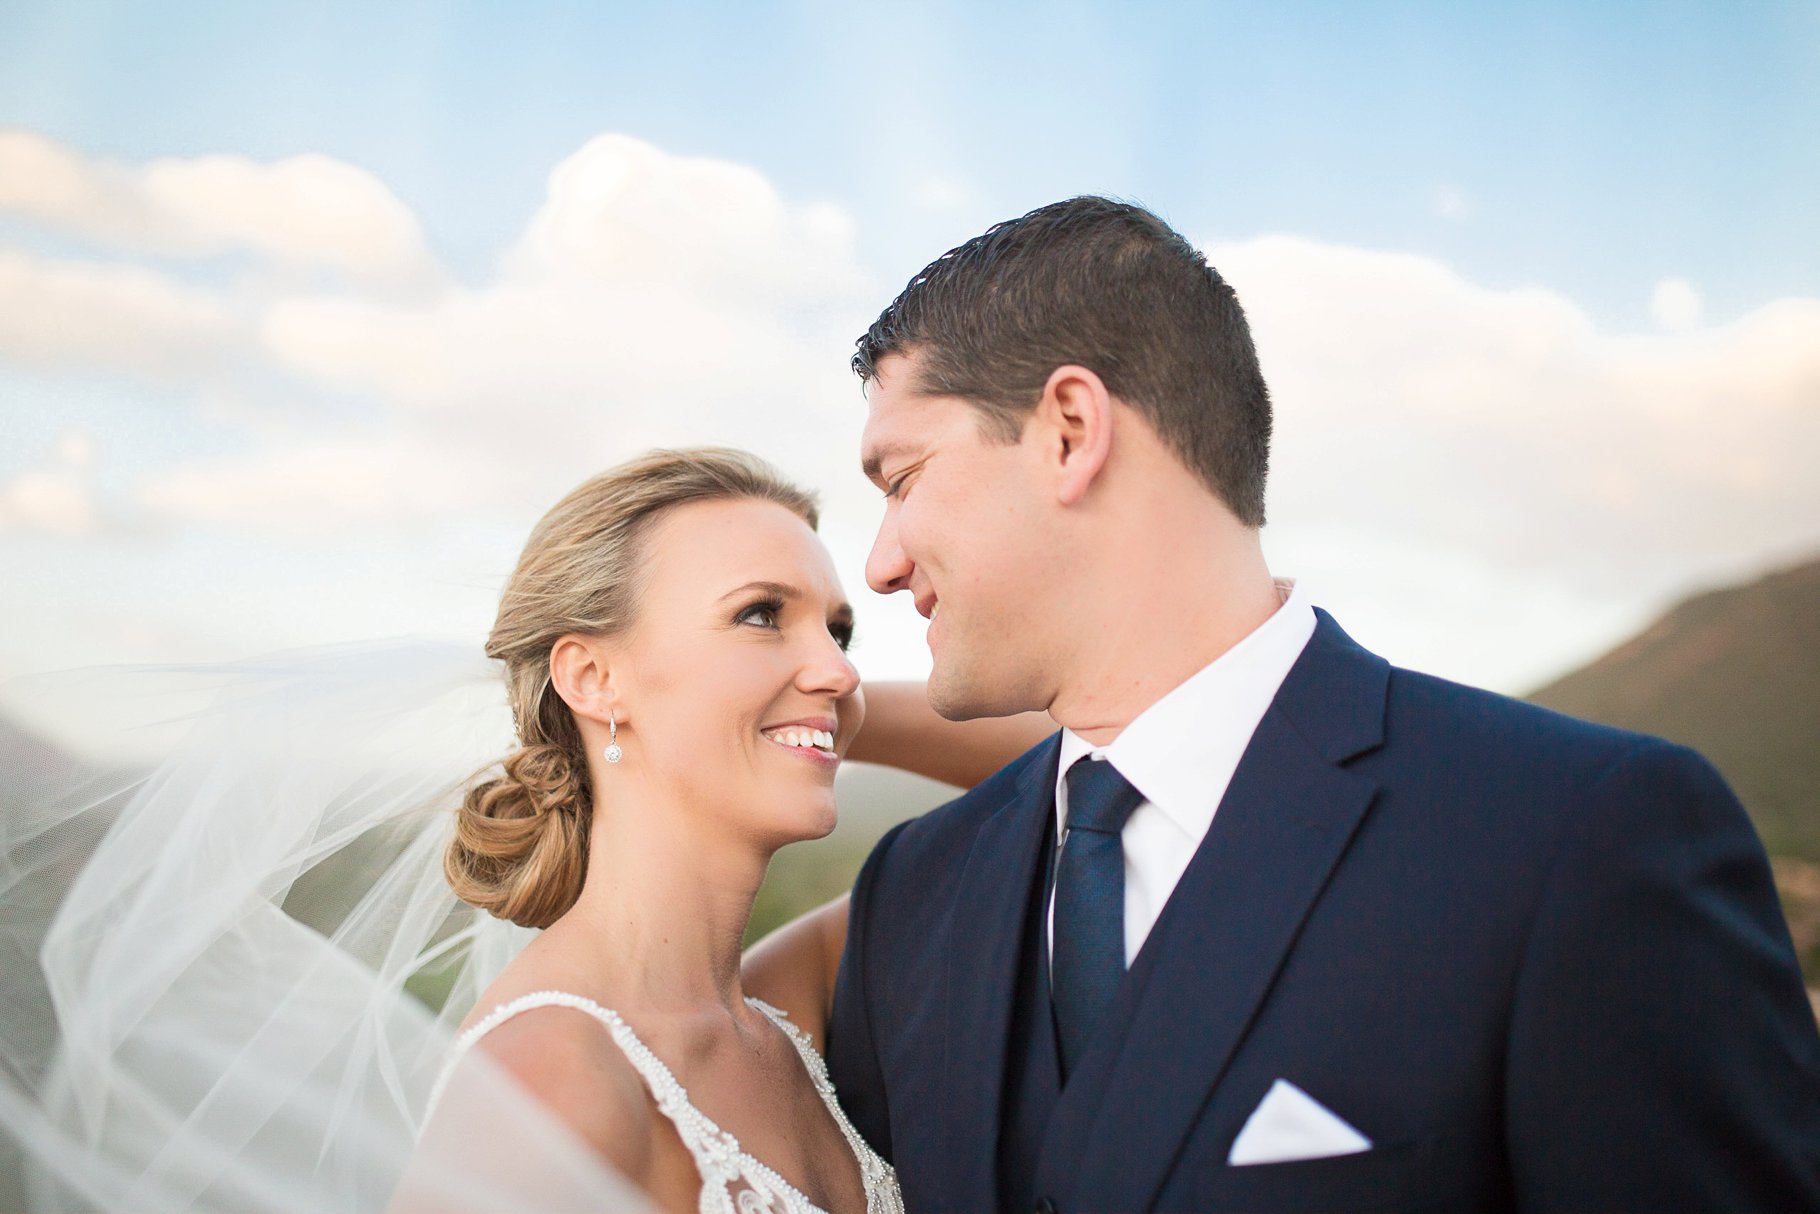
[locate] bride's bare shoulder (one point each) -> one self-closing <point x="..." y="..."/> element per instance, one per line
<point x="568" y="1060"/>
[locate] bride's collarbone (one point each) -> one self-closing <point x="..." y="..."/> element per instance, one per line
<point x="748" y="1077"/>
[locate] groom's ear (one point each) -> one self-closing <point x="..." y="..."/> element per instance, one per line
<point x="581" y="676"/>
<point x="1074" y="421"/>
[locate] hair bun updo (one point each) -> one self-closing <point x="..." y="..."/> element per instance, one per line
<point x="521" y="838"/>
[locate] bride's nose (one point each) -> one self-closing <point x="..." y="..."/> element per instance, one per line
<point x="827" y="670"/>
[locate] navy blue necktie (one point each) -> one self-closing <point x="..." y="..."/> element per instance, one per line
<point x="1089" y="955"/>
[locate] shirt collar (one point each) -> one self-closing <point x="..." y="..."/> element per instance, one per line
<point x="1181" y="751"/>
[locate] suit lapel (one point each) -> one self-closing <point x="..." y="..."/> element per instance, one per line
<point x="985" y="936"/>
<point x="1283" y="825"/>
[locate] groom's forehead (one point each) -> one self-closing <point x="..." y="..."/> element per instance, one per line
<point x="901" y="428"/>
<point x="895" y="426"/>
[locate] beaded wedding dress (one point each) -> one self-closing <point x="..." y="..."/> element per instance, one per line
<point x="732" y="1182"/>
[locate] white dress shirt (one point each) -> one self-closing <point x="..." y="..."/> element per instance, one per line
<point x="1180" y="753"/>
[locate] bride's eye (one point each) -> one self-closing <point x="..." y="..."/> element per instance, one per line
<point x="763" y="613"/>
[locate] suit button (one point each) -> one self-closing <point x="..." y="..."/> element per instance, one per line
<point x="1044" y="1206"/>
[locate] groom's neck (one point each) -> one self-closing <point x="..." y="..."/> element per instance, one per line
<point x="1168" y="597"/>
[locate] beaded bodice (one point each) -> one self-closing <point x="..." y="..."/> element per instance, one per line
<point x="732" y="1182"/>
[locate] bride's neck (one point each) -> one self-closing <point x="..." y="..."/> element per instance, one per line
<point x="664" y="909"/>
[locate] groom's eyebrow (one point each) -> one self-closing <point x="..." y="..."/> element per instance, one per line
<point x="874" y="463"/>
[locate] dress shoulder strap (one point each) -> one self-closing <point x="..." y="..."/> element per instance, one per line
<point x="505" y="1012"/>
<point x="671" y="1098"/>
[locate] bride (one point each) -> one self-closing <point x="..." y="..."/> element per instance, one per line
<point x="674" y="649"/>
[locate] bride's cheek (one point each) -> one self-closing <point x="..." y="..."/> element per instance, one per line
<point x="852" y="717"/>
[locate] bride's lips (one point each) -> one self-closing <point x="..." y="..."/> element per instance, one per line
<point x="810" y="738"/>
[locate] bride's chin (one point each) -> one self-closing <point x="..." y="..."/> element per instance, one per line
<point x="802" y="821"/>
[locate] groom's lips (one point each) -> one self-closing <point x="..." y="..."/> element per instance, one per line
<point x="926" y="607"/>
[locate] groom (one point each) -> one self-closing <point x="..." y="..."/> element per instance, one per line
<point x="1271" y="924"/>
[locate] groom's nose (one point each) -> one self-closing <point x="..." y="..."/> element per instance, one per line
<point x="887" y="568"/>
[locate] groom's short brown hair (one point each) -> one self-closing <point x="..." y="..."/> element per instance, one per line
<point x="1108" y="286"/>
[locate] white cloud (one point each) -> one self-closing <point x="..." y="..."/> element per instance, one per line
<point x="644" y="281"/>
<point x="1675" y="304"/>
<point x="83" y="315"/>
<point x="75" y="449"/>
<point x="1502" y="423"/>
<point x="307" y="211"/>
<point x="624" y="214"/>
<point x="324" y="489"/>
<point x="653" y="298"/>
<point x="48" y="499"/>
<point x="57" y="498"/>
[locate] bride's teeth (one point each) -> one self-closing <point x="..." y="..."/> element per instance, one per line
<point x="804" y="739"/>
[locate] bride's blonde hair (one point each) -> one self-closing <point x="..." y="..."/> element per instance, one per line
<point x="520" y="848"/>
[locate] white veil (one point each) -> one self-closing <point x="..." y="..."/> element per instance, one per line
<point x="229" y="978"/>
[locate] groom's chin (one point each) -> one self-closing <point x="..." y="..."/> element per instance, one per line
<point x="964" y="695"/>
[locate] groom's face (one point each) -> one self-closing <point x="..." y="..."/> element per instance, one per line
<point x="964" y="535"/>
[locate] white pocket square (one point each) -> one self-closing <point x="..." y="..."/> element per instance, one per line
<point x="1289" y="1124"/>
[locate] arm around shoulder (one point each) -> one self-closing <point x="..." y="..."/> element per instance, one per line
<point x="1662" y="1051"/>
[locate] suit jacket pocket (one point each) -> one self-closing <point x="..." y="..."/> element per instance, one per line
<point x="1395" y="1176"/>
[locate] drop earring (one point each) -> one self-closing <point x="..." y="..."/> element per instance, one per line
<point x="613" y="752"/>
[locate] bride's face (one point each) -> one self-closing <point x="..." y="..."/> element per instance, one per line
<point x="735" y="678"/>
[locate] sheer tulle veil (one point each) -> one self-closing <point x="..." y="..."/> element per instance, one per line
<point x="229" y="975"/>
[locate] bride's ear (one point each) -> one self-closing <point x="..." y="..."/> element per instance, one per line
<point x="581" y="675"/>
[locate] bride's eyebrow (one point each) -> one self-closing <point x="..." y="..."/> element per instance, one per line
<point x="780" y="590"/>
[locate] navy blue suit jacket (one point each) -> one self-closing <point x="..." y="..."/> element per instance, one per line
<point x="1538" y="962"/>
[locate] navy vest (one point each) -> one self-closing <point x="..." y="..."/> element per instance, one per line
<point x="1032" y="1067"/>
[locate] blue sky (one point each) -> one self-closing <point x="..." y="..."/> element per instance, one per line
<point x="1596" y="147"/>
<point x="1537" y="288"/>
